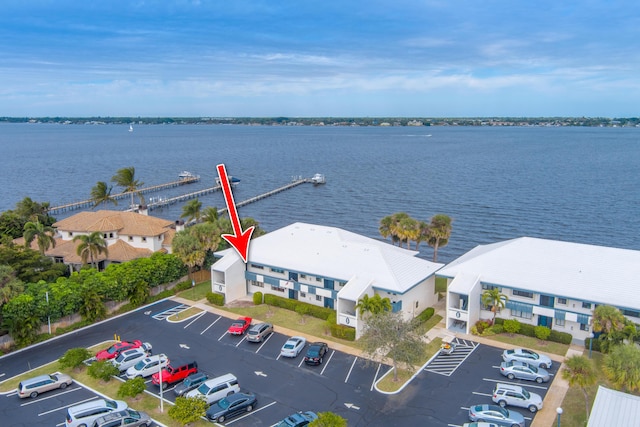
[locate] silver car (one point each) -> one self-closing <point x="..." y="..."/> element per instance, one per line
<point x="496" y="414"/>
<point x="259" y="332"/>
<point x="36" y="385"/>
<point x="293" y="347"/>
<point x="527" y="356"/>
<point x="524" y="371"/>
<point x="514" y="395"/>
<point x="128" y="358"/>
<point x="128" y="417"/>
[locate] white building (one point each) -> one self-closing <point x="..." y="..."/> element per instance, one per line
<point x="328" y="267"/>
<point x="614" y="408"/>
<point x="547" y="282"/>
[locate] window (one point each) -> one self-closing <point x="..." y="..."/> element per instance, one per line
<point x="111" y="235"/>
<point x="258" y="284"/>
<point x="525" y="294"/>
<point x="521" y="314"/>
<point x="584" y="327"/>
<point x="144" y="239"/>
<point x="131" y="238"/>
<point x="562" y="301"/>
<point x="490" y="287"/>
<point x="340" y="283"/>
<point x="71" y="234"/>
<point x="631" y="313"/>
<point x="104" y="236"/>
<point x="318" y="279"/>
<point x="560" y="322"/>
<point x="318" y="298"/>
<point x="303" y="295"/>
<point x="586" y="305"/>
<point x="277" y="289"/>
<point x="259" y="267"/>
<point x="277" y="270"/>
<point x="303" y="276"/>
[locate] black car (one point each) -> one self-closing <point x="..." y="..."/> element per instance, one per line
<point x="316" y="353"/>
<point x="189" y="383"/>
<point x="231" y="405"/>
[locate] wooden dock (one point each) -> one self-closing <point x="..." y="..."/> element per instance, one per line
<point x="84" y="204"/>
<point x="172" y="200"/>
<point x="292" y="184"/>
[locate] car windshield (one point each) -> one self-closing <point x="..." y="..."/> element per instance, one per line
<point x="112" y="349"/>
<point x="111" y="404"/>
<point x="134" y="414"/>
<point x="224" y="403"/>
<point x="141" y="364"/>
<point x="533" y="369"/>
<point x="533" y="355"/>
<point x="203" y="389"/>
<point x="503" y="411"/>
<point x="237" y="325"/>
<point x="120" y="357"/>
<point x="526" y="394"/>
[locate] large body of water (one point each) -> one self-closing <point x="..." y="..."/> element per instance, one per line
<point x="573" y="184"/>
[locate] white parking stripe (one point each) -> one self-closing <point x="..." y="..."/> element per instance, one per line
<point x="375" y="377"/>
<point x="50" y="397"/>
<point x="482" y="394"/>
<point x="350" y="369"/>
<point x="327" y="362"/>
<point x="244" y="337"/>
<point x="196" y="318"/>
<point x="222" y="336"/>
<point x="264" y="342"/>
<point x="505" y="381"/>
<point x="67" y="406"/>
<point x="249" y="413"/>
<point x="207" y="328"/>
<point x="301" y="361"/>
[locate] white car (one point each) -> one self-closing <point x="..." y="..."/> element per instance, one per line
<point x="527" y="356"/>
<point x="293" y="347"/>
<point x="147" y="366"/>
<point x="128" y="358"/>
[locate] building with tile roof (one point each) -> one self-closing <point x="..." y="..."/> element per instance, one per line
<point x="546" y="282"/>
<point x="329" y="267"/>
<point x="129" y="235"/>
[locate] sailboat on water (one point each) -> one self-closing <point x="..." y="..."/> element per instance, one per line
<point x="130" y="128"/>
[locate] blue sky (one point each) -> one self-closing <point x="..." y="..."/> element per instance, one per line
<point x="320" y="58"/>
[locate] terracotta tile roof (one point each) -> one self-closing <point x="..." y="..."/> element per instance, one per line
<point x="121" y="251"/>
<point x="126" y="223"/>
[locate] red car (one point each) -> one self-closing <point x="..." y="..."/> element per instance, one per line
<point x="175" y="371"/>
<point x="240" y="326"/>
<point x="113" y="351"/>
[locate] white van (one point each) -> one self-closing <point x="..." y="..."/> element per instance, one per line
<point x="84" y="414"/>
<point x="216" y="388"/>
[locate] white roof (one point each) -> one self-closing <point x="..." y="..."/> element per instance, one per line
<point x="571" y="270"/>
<point x="342" y="255"/>
<point x="614" y="408"/>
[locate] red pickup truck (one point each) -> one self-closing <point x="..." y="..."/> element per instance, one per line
<point x="240" y="326"/>
<point x="174" y="372"/>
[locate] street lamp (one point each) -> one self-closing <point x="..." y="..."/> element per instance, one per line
<point x="591" y="337"/>
<point x="559" y="411"/>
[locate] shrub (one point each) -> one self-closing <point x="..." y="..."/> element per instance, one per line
<point x="481" y="325"/>
<point x="561" y="337"/>
<point x="257" y="298"/>
<point x="132" y="388"/>
<point x="542" y="332"/>
<point x="102" y="370"/>
<point x="74" y="357"/>
<point x="426" y="314"/>
<point x="182" y="286"/>
<point x="528" y="330"/>
<point x="493" y="330"/>
<point x="188" y="409"/>
<point x="343" y="332"/>
<point x="594" y="347"/>
<point x="511" y="326"/>
<point x="214" y="298"/>
<point x="291" y="304"/>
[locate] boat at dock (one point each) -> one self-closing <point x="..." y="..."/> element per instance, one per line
<point x="318" y="179"/>
<point x="187" y="175"/>
<point x="232" y="180"/>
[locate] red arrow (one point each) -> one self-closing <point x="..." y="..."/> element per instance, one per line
<point x="239" y="239"/>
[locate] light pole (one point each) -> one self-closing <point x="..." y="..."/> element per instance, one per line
<point x="591" y="337"/>
<point x="46" y="294"/>
<point x="559" y="411"/>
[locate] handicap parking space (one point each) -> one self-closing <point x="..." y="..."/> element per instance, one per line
<point x="446" y="364"/>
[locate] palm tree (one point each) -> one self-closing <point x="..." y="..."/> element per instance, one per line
<point x="374" y="305"/>
<point x="579" y="371"/>
<point x="607" y="319"/>
<point x="210" y="214"/>
<point x="386" y="224"/>
<point x="91" y="246"/>
<point x="191" y="211"/>
<point x="424" y="233"/>
<point x="43" y="234"/>
<point x="189" y="249"/>
<point x="101" y="193"/>
<point x="440" y="231"/>
<point x="125" y="178"/>
<point x="495" y="299"/>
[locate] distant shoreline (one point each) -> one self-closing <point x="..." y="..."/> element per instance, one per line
<point x="335" y="121"/>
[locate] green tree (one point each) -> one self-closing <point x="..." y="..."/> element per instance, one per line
<point x="191" y="211"/>
<point x="439" y="233"/>
<point x="31" y="210"/>
<point x="607" y="319"/>
<point x="102" y="370"/>
<point x="139" y="293"/>
<point x="188" y="249"/>
<point x="101" y="193"/>
<point x="389" y="334"/>
<point x="494" y="299"/>
<point x="21" y="317"/>
<point x="210" y="214"/>
<point x="92" y="307"/>
<point x="126" y="178"/>
<point x="43" y="234"/>
<point x="10" y="285"/>
<point x="328" y="419"/>
<point x="131" y="388"/>
<point x="373" y="305"/>
<point x="74" y="357"/>
<point x="90" y="247"/>
<point x="580" y="372"/>
<point x="622" y="367"/>
<point x="188" y="409"/>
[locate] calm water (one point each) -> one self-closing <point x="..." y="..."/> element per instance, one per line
<point x="574" y="184"/>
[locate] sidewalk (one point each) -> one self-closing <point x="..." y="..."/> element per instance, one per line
<point x="546" y="417"/>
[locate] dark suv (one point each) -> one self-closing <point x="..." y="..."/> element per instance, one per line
<point x="315" y="353"/>
<point x="174" y="372"/>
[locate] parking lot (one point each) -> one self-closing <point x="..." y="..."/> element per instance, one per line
<point x="439" y="396"/>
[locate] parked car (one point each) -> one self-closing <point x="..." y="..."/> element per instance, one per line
<point x="128" y="417"/>
<point x="216" y="388"/>
<point x="230" y="406"/>
<point x="514" y="395"/>
<point x="315" y="353"/>
<point x="147" y="366"/>
<point x="480" y="425"/>
<point x="84" y="414"/>
<point x="299" y="419"/>
<point x="189" y="383"/>
<point x="240" y="326"/>
<point x="293" y="347"/>
<point x="175" y="371"/>
<point x="42" y="383"/>
<point x="259" y="332"/>
<point x="523" y="371"/>
<point x="527" y="356"/>
<point x="128" y="358"/>
<point x="496" y="414"/>
<point x="113" y="351"/>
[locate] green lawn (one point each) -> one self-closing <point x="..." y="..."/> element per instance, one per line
<point x="518" y="340"/>
<point x="198" y="292"/>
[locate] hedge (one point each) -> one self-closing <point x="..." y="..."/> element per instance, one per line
<point x="529" y="330"/>
<point x="595" y="346"/>
<point x="291" y="304"/>
<point x="217" y="299"/>
<point x="257" y="298"/>
<point x="426" y="314"/>
<point x="343" y="332"/>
